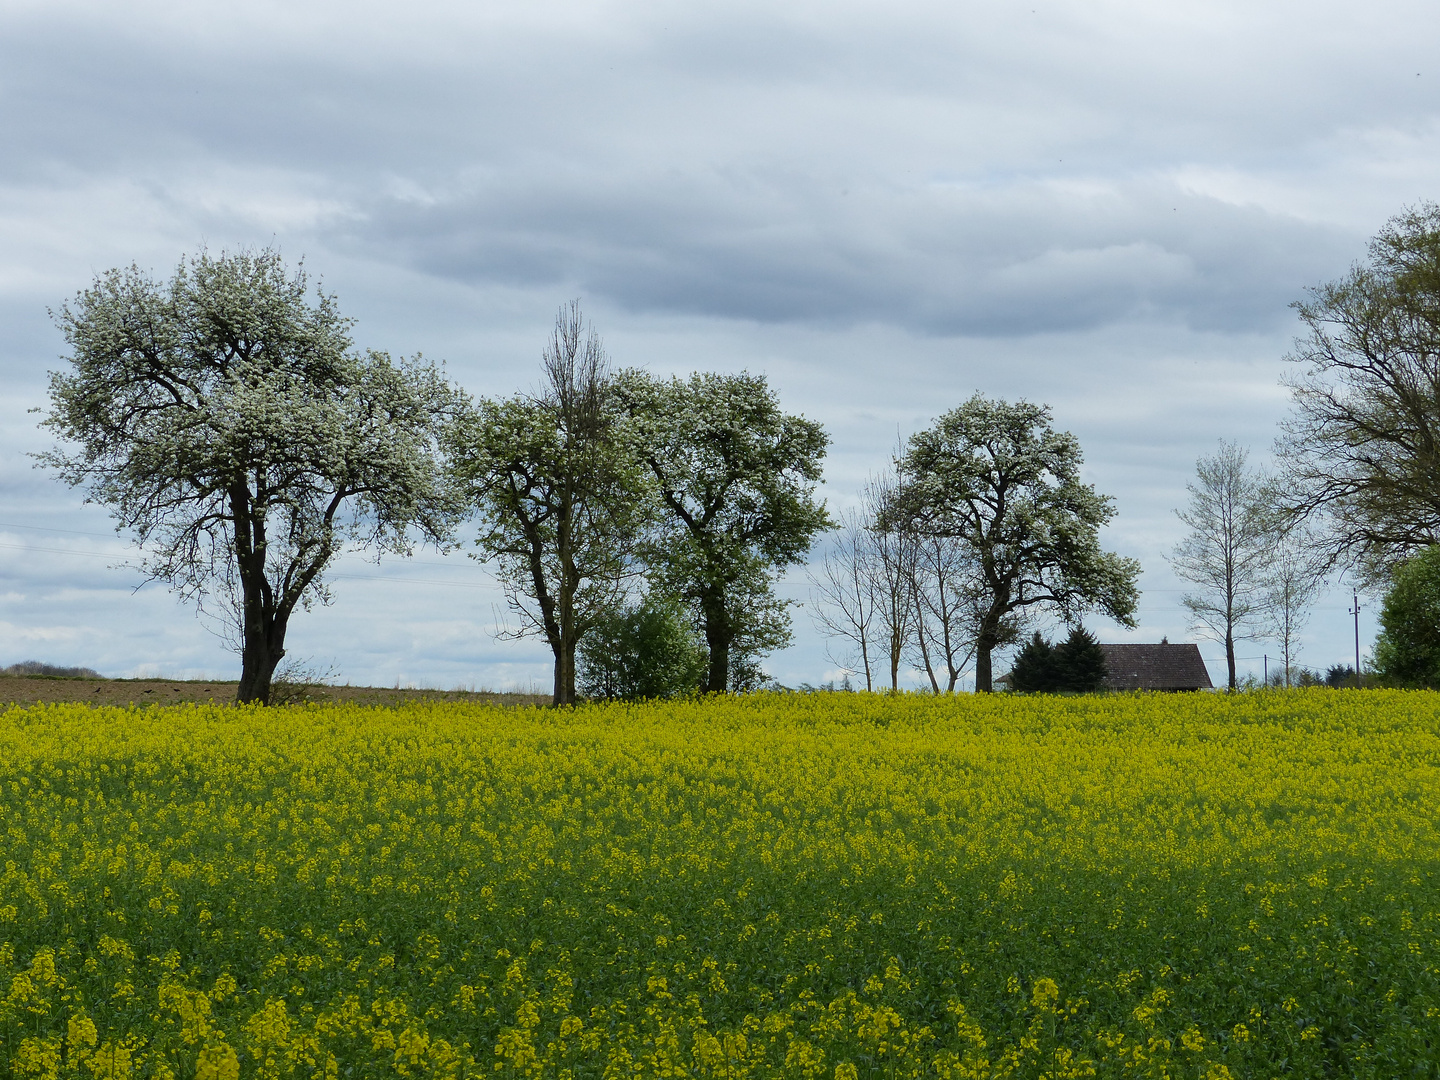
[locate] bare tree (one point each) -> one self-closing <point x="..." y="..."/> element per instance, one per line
<point x="1227" y="552"/>
<point x="896" y="595"/>
<point x="947" y="585"/>
<point x="1293" y="578"/>
<point x="892" y="570"/>
<point x="844" y="596"/>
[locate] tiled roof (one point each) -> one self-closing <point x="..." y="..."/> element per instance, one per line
<point x="1155" y="667"/>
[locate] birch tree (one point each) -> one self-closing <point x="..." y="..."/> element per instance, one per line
<point x="226" y="420"/>
<point x="843" y="597"/>
<point x="891" y="563"/>
<point x="1292" y="578"/>
<point x="950" y="603"/>
<point x="1227" y="552"/>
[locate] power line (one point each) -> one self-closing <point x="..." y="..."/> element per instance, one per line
<point x="80" y="532"/>
<point x="49" y="528"/>
<point x="332" y="577"/>
<point x="67" y="551"/>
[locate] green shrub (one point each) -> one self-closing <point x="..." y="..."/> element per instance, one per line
<point x="648" y="650"/>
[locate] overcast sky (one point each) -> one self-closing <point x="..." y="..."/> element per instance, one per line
<point x="1104" y="206"/>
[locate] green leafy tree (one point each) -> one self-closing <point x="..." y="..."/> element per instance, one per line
<point x="646" y="650"/>
<point x="1361" y="448"/>
<point x="1407" y="652"/>
<point x="561" y="499"/>
<point x="735" y="480"/>
<point x="228" y="423"/>
<point x="1080" y="663"/>
<point x="998" y="476"/>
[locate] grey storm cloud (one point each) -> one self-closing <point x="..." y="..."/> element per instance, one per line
<point x="905" y="167"/>
<point x="943" y="258"/>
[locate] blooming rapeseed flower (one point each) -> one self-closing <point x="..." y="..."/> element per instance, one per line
<point x="815" y="886"/>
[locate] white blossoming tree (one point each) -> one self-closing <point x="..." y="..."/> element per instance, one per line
<point x="1000" y="479"/>
<point x="735" y="478"/>
<point x="229" y="424"/>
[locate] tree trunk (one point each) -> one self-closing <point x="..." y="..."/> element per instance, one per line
<point x="1230" y="656"/>
<point x="564" y="675"/>
<point x="263" y="617"/>
<point x="718" y="636"/>
<point x="984" y="683"/>
<point x="987" y="640"/>
<point x="718" y="679"/>
<point x="264" y="648"/>
<point x="925" y="649"/>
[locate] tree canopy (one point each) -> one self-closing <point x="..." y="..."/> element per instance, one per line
<point x="1076" y="665"/>
<point x="1361" y="448"/>
<point x="228" y="423"/>
<point x="999" y="477"/>
<point x="643" y="651"/>
<point x="735" y="481"/>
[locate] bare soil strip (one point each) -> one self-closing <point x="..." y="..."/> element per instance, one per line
<point x="41" y="690"/>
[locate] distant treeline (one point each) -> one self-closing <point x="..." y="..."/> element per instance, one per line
<point x="35" y="667"/>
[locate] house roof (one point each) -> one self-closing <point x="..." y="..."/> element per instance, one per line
<point x="1155" y="667"/>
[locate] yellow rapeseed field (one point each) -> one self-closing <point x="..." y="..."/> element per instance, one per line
<point x="829" y="885"/>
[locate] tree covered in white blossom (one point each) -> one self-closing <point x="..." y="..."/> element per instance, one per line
<point x="229" y="424"/>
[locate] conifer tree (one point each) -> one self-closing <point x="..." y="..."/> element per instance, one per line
<point x="1079" y="662"/>
<point x="1034" y="670"/>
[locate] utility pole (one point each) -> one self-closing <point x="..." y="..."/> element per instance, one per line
<point x="1266" y="658"/>
<point x="1355" y="610"/>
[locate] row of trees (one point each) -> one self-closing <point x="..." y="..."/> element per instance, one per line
<point x="228" y="422"/>
<point x="983" y="522"/>
<point x="699" y="490"/>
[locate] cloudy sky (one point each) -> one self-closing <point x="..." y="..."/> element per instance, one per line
<point x="1107" y="206"/>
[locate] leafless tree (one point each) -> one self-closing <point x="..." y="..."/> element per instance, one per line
<point x="844" y="596"/>
<point x="1293" y="578"/>
<point x="1227" y="552"/>
<point x="948" y="594"/>
<point x="893" y="548"/>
